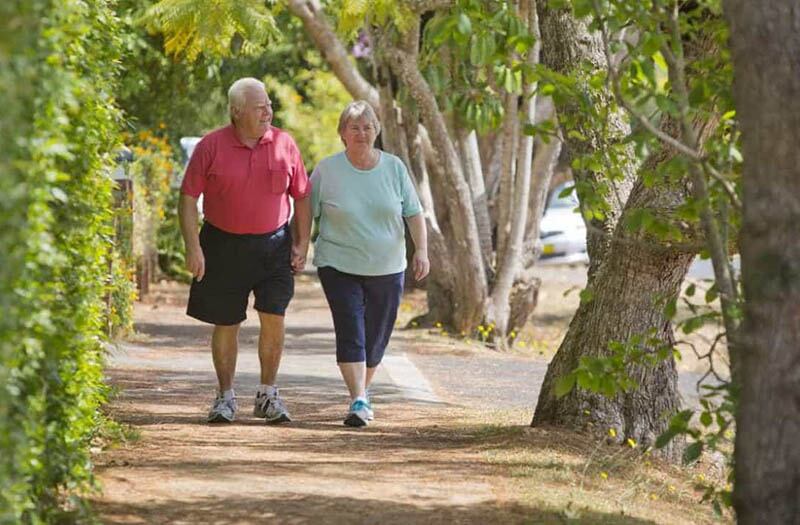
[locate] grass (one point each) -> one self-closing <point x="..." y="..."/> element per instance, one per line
<point x="582" y="477"/>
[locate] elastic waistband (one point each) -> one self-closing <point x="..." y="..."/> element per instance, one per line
<point x="210" y="227"/>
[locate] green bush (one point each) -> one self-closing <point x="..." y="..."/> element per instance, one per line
<point x="58" y="129"/>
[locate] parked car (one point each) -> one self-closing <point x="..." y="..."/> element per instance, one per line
<point x="562" y="232"/>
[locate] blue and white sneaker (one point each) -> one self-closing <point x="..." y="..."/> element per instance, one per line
<point x="359" y="414"/>
<point x="223" y="410"/>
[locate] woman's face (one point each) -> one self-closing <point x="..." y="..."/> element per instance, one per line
<point x="359" y="133"/>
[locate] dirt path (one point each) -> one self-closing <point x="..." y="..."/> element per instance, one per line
<point x="313" y="470"/>
<point x="430" y="456"/>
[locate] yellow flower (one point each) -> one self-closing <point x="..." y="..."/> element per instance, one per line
<point x="631" y="443"/>
<point x="604" y="475"/>
<point x="438" y="324"/>
<point x="612" y="432"/>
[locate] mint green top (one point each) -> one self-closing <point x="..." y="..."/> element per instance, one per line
<point x="360" y="214"/>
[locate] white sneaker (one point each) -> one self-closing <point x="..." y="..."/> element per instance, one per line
<point x="271" y="408"/>
<point x="223" y="410"/>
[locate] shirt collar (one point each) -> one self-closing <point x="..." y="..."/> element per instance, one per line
<point x="265" y="139"/>
<point x="268" y="135"/>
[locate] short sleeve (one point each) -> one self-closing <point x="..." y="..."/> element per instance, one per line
<point x="316" y="189"/>
<point x="299" y="186"/>
<point x="196" y="174"/>
<point x="411" y="204"/>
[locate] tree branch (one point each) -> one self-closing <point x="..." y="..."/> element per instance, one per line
<point x="334" y="52"/>
<point x="615" y="88"/>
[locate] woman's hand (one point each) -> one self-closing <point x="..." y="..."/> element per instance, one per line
<point x="420" y="264"/>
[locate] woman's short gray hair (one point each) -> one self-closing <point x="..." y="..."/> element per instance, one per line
<point x="356" y="110"/>
<point x="237" y="93"/>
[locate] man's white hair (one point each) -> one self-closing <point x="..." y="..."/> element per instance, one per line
<point x="237" y="93"/>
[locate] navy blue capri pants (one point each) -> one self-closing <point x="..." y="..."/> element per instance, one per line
<point x="364" y="309"/>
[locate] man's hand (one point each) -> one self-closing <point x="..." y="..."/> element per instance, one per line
<point x="196" y="262"/>
<point x="420" y="264"/>
<point x="299" y="252"/>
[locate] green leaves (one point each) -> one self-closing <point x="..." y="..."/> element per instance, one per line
<point x="55" y="252"/>
<point x="472" y="54"/>
<point x="565" y="384"/>
<point x="192" y="27"/>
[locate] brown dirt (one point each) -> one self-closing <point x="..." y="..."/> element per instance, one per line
<point x="419" y="463"/>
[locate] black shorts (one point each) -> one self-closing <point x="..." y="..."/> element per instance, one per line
<point x="237" y="264"/>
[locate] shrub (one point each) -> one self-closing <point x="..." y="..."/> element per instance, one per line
<point x="58" y="130"/>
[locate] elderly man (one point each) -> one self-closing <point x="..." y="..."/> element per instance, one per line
<point x="246" y="172"/>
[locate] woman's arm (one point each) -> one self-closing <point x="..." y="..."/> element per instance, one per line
<point x="420" y="264"/>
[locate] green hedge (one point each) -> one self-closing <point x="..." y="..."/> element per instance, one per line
<point x="58" y="127"/>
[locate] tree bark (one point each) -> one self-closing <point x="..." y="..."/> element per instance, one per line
<point x="765" y="44"/>
<point x="509" y="262"/>
<point x="567" y="43"/>
<point x="504" y="200"/>
<point x="470" y="291"/>
<point x="628" y="291"/>
<point x="328" y="43"/>
<point x="638" y="269"/>
<point x="471" y="161"/>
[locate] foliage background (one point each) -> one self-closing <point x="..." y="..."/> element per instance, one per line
<point x="59" y="127"/>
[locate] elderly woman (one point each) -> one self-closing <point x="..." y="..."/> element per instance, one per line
<point x="360" y="198"/>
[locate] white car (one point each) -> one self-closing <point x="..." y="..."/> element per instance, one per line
<point x="188" y="144"/>
<point x="562" y="232"/>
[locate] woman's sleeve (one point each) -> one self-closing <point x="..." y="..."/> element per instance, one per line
<point x="411" y="204"/>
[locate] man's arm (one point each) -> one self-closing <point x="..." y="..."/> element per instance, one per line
<point x="188" y="217"/>
<point x="301" y="232"/>
<point x="419" y="234"/>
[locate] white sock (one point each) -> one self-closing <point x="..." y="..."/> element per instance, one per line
<point x="228" y="395"/>
<point x="269" y="390"/>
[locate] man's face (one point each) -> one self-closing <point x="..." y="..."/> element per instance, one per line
<point x="255" y="117"/>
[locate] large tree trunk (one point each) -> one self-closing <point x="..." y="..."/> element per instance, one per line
<point x="766" y="53"/>
<point x="637" y="270"/>
<point x="629" y="289"/>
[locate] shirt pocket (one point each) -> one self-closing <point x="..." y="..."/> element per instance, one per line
<point x="279" y="177"/>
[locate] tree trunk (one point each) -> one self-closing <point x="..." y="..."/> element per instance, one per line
<point x="469" y="294"/>
<point x="509" y="262"/>
<point x="637" y="270"/>
<point x="766" y="52"/>
<point x="567" y="43"/>
<point x="471" y="161"/>
<point x="503" y="202"/>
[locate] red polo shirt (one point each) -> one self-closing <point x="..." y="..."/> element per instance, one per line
<point x="246" y="190"/>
